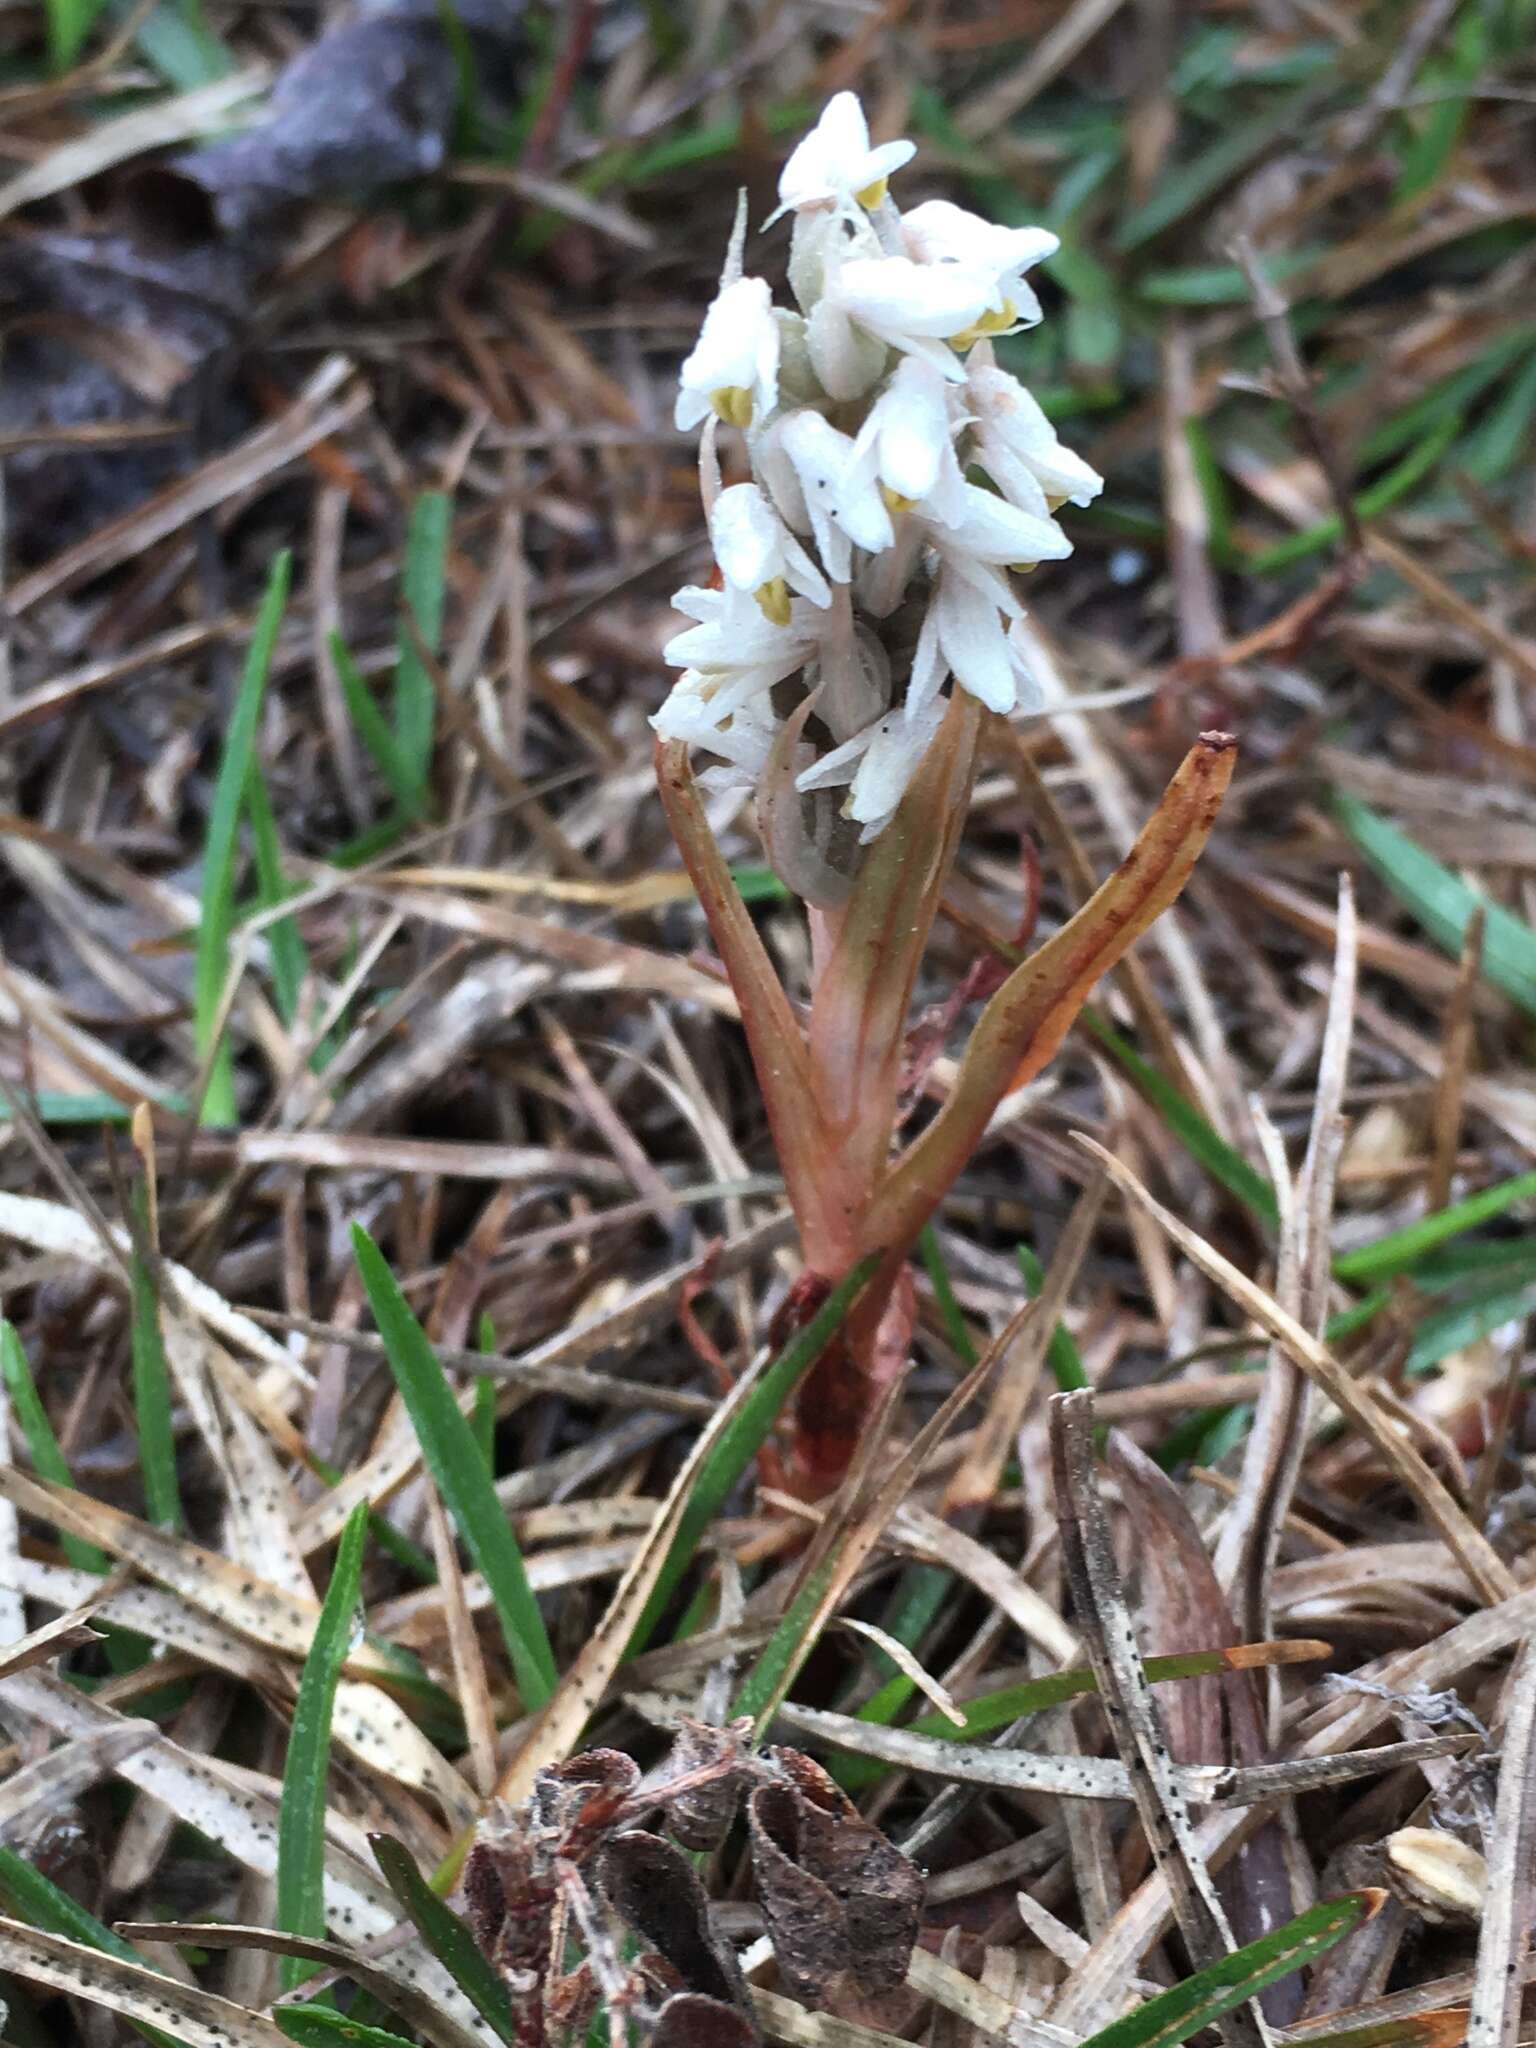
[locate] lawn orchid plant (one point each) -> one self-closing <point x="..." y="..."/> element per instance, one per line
<point x="862" y="624"/>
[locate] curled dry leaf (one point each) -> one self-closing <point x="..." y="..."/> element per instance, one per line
<point x="651" y="1884"/>
<point x="841" y="1902"/>
<point x="692" y="2021"/>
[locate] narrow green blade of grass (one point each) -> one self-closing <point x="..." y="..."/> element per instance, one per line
<point x="1061" y="1353"/>
<point x="445" y="1934"/>
<point x="1185" y="2008"/>
<point x="69" y="23"/>
<point x="1502" y="438"/>
<point x="370" y="722"/>
<point x="1183" y="186"/>
<point x="321" y="2026"/>
<point x="944" y="1294"/>
<point x="1401" y="1250"/>
<point x="458" y="1471"/>
<point x="221" y="846"/>
<point x="53" y="1106"/>
<point x="27" y="1895"/>
<point x="1468" y="1322"/>
<point x="421" y="592"/>
<point x="1442" y="902"/>
<point x="1226" y="1166"/>
<point x="48" y="1461"/>
<point x="740" y="1442"/>
<point x="1452" y="395"/>
<point x="777" y="1659"/>
<point x="990" y="1711"/>
<point x="301" y="1815"/>
<point x="1369" y="503"/>
<point x="288" y="953"/>
<point x="151" y="1380"/>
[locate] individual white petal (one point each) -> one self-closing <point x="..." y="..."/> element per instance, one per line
<point x="1013" y="434"/>
<point x="838" y="767"/>
<point x="747" y="537"/>
<point x="929" y="668"/>
<point x="896" y="298"/>
<point x="1034" y="689"/>
<point x="990" y="529"/>
<point x="893" y="757"/>
<point x="839" y="515"/>
<point x="974" y="644"/>
<point x="737" y="350"/>
<point x="940" y="232"/>
<point x="735" y="634"/>
<point x="802" y="574"/>
<point x="905" y="440"/>
<point x="847" y="359"/>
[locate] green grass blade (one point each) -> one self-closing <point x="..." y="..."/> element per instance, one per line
<point x="288" y="953"/>
<point x="1369" y="503"/>
<point x="950" y="1312"/>
<point x="151" y="1381"/>
<point x="221" y="846"/>
<point x="777" y="1660"/>
<point x="741" y="1440"/>
<point x="1401" y="1250"/>
<point x="1442" y="902"/>
<point x="458" y="1471"/>
<point x="321" y="2026"/>
<point x="370" y="722"/>
<point x="445" y="1934"/>
<point x="48" y="1461"/>
<point x="1185" y="2008"/>
<point x="1205" y="1146"/>
<point x="301" y="1816"/>
<point x="422" y="586"/>
<point x="1061" y="1353"/>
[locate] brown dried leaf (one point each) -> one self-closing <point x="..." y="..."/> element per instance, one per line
<point x="652" y="1885"/>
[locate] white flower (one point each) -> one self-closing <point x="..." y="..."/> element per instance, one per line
<point x="757" y="552"/>
<point x="734" y="635"/>
<point x="844" y="513"/>
<point x="1017" y="446"/>
<point x="835" y="164"/>
<point x="907" y="305"/>
<point x="879" y="762"/>
<point x="739" y="729"/>
<point x="906" y="441"/>
<point x="734" y="368"/>
<point x="943" y="235"/>
<point x="963" y="630"/>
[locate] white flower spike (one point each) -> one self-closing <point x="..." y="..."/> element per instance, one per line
<point x="868" y="415"/>
<point x="835" y="164"/>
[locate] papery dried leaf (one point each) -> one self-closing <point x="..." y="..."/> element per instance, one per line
<point x="576" y="1802"/>
<point x="839" y="1899"/>
<point x="700" y="1817"/>
<point x="652" y="1885"/>
<point x="808" y="846"/>
<point x="1031" y="1014"/>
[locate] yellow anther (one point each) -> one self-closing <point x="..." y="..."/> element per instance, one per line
<point x="872" y="195"/>
<point x="733" y="404"/>
<point x="895" y="503"/>
<point x="773" y="597"/>
<point x="989" y="323"/>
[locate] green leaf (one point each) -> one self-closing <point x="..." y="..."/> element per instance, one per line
<point x="69" y="23"/>
<point x="1401" y="1250"/>
<point x="445" y="1934"/>
<point x="372" y="726"/>
<point x="286" y="949"/>
<point x="1442" y="902"/>
<point x="1061" y="1352"/>
<point x="48" y="1461"/>
<point x="301" y="1816"/>
<point x="1184" y="2009"/>
<point x="321" y="2026"/>
<point x="1204" y="1145"/>
<point x="151" y="1380"/>
<point x="221" y="847"/>
<point x="1369" y="503"/>
<point x="453" y="1458"/>
<point x="950" y="1313"/>
<point x="740" y="1441"/>
<point x="422" y="586"/>
<point x="1184" y="186"/>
